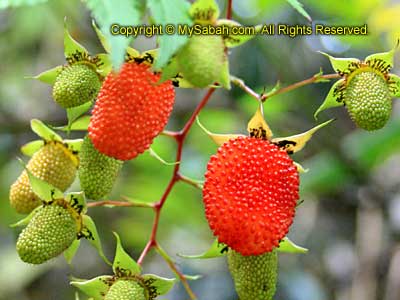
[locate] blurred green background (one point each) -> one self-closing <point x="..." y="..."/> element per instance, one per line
<point x="350" y="218"/>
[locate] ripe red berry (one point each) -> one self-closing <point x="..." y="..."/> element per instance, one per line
<point x="130" y="111"/>
<point x="250" y="194"/>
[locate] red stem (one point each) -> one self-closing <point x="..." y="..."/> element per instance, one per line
<point x="229" y="9"/>
<point x="180" y="138"/>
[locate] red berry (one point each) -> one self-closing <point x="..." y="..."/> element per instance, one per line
<point x="130" y="111"/>
<point x="250" y="194"/>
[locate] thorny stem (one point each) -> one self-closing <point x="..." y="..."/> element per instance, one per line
<point x="315" y="78"/>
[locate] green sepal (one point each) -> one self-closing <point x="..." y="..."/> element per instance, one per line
<point x="124" y="265"/>
<point x="386" y="57"/>
<point x="217" y="249"/>
<point x="69" y="254"/>
<point x="80" y="124"/>
<point x="394" y="85"/>
<point x="74" y="145"/>
<point x="295" y="143"/>
<point x="102" y="38"/>
<point x="234" y="40"/>
<point x="44" y="190"/>
<point x="341" y="65"/>
<point x="49" y="76"/>
<point x="44" y="132"/>
<point x="77" y="201"/>
<point x="218" y="139"/>
<point x="224" y="77"/>
<point x="299" y="7"/>
<point x="300" y="168"/>
<point x="332" y="99"/>
<point x="89" y="231"/>
<point x="170" y="71"/>
<point x="160" y="284"/>
<point x="25" y="221"/>
<point x="74" y="113"/>
<point x="71" y="47"/>
<point x="96" y="287"/>
<point x="287" y="246"/>
<point x="104" y="66"/>
<point x="204" y="11"/>
<point x="32" y="147"/>
<point x="160" y="159"/>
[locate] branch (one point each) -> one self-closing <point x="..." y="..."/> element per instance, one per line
<point x="173" y="267"/>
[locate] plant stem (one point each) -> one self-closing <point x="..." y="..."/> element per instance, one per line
<point x="173" y="267"/>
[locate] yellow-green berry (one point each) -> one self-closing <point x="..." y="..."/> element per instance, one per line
<point x="51" y="231"/>
<point x="201" y="59"/>
<point x="97" y="172"/>
<point x="55" y="164"/>
<point x="76" y="85"/>
<point x="124" y="289"/>
<point x="254" y="276"/>
<point x="368" y="100"/>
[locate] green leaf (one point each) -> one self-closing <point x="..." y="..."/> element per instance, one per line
<point x="124" y="265"/>
<point x="204" y="11"/>
<point x="71" y="47"/>
<point x="15" y="3"/>
<point x="25" y="221"/>
<point x="74" y="145"/>
<point x="160" y="284"/>
<point x="96" y="287"/>
<point x="171" y="12"/>
<point x="77" y="201"/>
<point x="75" y="112"/>
<point x="333" y="99"/>
<point x="299" y="7"/>
<point x="32" y="147"/>
<point x="44" y="190"/>
<point x="394" y="86"/>
<point x="69" y="254"/>
<point x="286" y="245"/>
<point x="108" y="13"/>
<point x="295" y="143"/>
<point x="49" y="76"/>
<point x="234" y="40"/>
<point x="341" y="65"/>
<point x="44" y="132"/>
<point x="216" y="250"/>
<point x="91" y="234"/>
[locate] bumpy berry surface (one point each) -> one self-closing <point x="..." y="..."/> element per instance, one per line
<point x="125" y="290"/>
<point x="368" y="100"/>
<point x="53" y="163"/>
<point x="254" y="276"/>
<point x="75" y="85"/>
<point x="250" y="194"/>
<point x="97" y="172"/>
<point x="201" y="59"/>
<point x="51" y="231"/>
<point x="131" y="110"/>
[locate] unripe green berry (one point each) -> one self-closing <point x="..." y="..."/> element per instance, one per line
<point x="124" y="289"/>
<point x="368" y="100"/>
<point x="97" y="172"/>
<point x="201" y="59"/>
<point x="254" y="276"/>
<point x="53" y="163"/>
<point x="50" y="232"/>
<point x="76" y="85"/>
